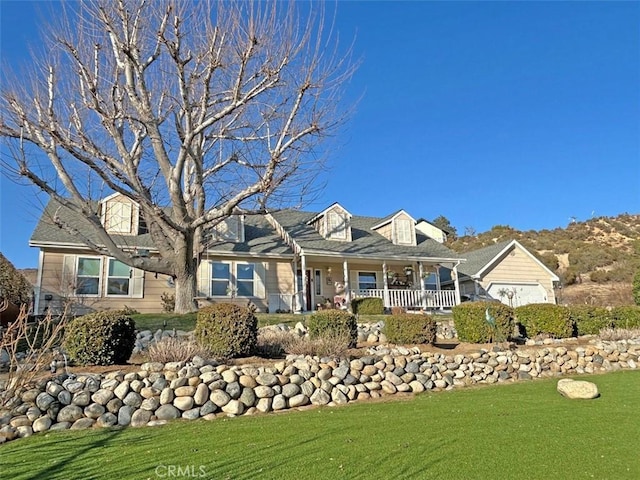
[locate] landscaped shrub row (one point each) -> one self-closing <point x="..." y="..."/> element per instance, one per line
<point x="334" y="323"/>
<point x="227" y="330"/>
<point x="473" y="321"/>
<point x="408" y="328"/>
<point x="367" y="306"/>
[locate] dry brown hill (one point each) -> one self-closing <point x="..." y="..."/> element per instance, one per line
<point x="595" y="259"/>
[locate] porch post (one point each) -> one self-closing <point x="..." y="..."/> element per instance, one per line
<point x="454" y="273"/>
<point x="438" y="288"/>
<point x="347" y="290"/>
<point x="423" y="292"/>
<point x="303" y="266"/>
<point x="385" y="286"/>
<point x="296" y="294"/>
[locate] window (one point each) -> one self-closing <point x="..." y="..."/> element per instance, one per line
<point x="337" y="225"/>
<point x="366" y="280"/>
<point x="228" y="229"/>
<point x="88" y="276"/>
<point x="220" y="278"/>
<point x="403" y="231"/>
<point x="244" y="279"/>
<point x="318" y="280"/>
<point x="118" y="217"/>
<point x="118" y="278"/>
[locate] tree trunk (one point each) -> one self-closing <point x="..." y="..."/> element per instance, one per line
<point x="186" y="289"/>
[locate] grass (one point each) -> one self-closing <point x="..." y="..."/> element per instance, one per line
<point x="516" y="431"/>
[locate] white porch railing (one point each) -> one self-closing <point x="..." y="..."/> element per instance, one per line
<point x="411" y="298"/>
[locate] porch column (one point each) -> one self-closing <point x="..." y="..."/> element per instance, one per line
<point x="347" y="290"/>
<point x="423" y="292"/>
<point x="454" y="273"/>
<point x="297" y="308"/>
<point x="438" y="288"/>
<point x="303" y="266"/>
<point x="385" y="286"/>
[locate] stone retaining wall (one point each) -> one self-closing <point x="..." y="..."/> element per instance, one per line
<point x="161" y="392"/>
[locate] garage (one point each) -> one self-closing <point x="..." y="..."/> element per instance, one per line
<point x="523" y="293"/>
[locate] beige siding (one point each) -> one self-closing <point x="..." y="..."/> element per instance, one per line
<point x="518" y="267"/>
<point x="385" y="231"/>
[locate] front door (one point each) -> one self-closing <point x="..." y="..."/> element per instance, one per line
<point x="308" y="288"/>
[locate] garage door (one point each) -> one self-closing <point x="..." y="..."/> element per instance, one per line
<point x="524" y="293"/>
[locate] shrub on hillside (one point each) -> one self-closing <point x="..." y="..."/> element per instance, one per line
<point x="334" y="322"/>
<point x="227" y="330"/>
<point x="410" y="328"/>
<point x="626" y="317"/>
<point x="367" y="306"/>
<point x="636" y="288"/>
<point x="600" y="276"/>
<point x="100" y="338"/>
<point x="470" y="321"/>
<point x="545" y="319"/>
<point x="589" y="320"/>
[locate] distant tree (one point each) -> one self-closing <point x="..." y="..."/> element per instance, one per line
<point x="636" y="288"/>
<point x="14" y="287"/>
<point x="470" y="231"/>
<point x="194" y="110"/>
<point x="443" y="223"/>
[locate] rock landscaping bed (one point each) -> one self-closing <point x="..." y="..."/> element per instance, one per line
<point x="159" y="392"/>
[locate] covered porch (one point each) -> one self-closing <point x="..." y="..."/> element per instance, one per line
<point x="409" y="283"/>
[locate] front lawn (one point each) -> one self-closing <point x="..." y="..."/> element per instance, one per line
<point x="515" y="431"/>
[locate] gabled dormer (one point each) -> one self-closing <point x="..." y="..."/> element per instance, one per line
<point x="333" y="223"/>
<point x="231" y="229"/>
<point x="120" y="215"/>
<point x="399" y="228"/>
<point x="430" y="230"/>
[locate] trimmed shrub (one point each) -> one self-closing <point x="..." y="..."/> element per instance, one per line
<point x="545" y="319"/>
<point x="470" y="321"/>
<point x="14" y="287"/>
<point x="589" y="320"/>
<point x="227" y="330"/>
<point x="100" y="338"/>
<point x="368" y="306"/>
<point x="626" y="317"/>
<point x="409" y="328"/>
<point x="334" y="323"/>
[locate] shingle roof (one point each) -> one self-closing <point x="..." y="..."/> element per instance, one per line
<point x="478" y="259"/>
<point x="260" y="236"/>
<point x="365" y="242"/>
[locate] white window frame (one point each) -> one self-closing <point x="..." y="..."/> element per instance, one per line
<point x="367" y="272"/>
<point x="117" y="219"/>
<point x="246" y="280"/>
<point x="337" y="225"/>
<point x="76" y="276"/>
<point x="229" y="279"/>
<point x="108" y="277"/>
<point x="403" y="231"/>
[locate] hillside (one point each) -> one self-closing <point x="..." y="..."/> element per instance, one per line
<point x="595" y="259"/>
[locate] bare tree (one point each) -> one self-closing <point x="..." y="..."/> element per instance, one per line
<point x="194" y="110"/>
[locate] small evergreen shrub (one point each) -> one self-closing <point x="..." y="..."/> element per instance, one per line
<point x="600" y="276"/>
<point x="100" y="338"/>
<point x="545" y="319"/>
<point x="627" y="317"/>
<point x="470" y="321"/>
<point x="227" y="330"/>
<point x="368" y="306"/>
<point x="409" y="328"/>
<point x="168" y="302"/>
<point x="334" y="323"/>
<point x="589" y="320"/>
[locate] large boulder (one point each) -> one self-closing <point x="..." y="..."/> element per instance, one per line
<point x="577" y="389"/>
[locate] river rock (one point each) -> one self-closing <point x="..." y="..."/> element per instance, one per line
<point x="577" y="389"/>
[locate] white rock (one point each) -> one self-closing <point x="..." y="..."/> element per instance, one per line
<point x="577" y="389"/>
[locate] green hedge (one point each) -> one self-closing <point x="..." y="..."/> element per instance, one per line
<point x="626" y="317"/>
<point x="545" y="319"/>
<point x="589" y="320"/>
<point x="470" y="320"/>
<point x="410" y="328"/>
<point x="334" y="322"/>
<point x="100" y="338"/>
<point x="227" y="330"/>
<point x="367" y="306"/>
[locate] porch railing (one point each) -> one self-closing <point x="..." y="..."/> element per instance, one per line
<point x="410" y="298"/>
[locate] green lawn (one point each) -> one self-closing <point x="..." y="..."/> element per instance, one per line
<point x="514" y="431"/>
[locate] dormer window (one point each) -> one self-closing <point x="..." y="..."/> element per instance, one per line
<point x="337" y="225"/>
<point x="333" y="223"/>
<point x="230" y="229"/>
<point x="118" y="217"/>
<point x="403" y="231"/>
<point x="399" y="228"/>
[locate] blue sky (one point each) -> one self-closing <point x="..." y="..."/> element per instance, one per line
<point x="511" y="113"/>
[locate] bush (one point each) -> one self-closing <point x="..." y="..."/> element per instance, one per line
<point x="14" y="287"/>
<point x="636" y="288"/>
<point x="368" y="306"/>
<point x="626" y="317"/>
<point x="168" y="302"/>
<point x="227" y="330"/>
<point x="328" y="344"/>
<point x="176" y="349"/>
<point x="600" y="276"/>
<point x="410" y="328"/>
<point x="100" y="338"/>
<point x="545" y="319"/>
<point x="589" y="320"/>
<point x="334" y="322"/>
<point x="470" y="321"/>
